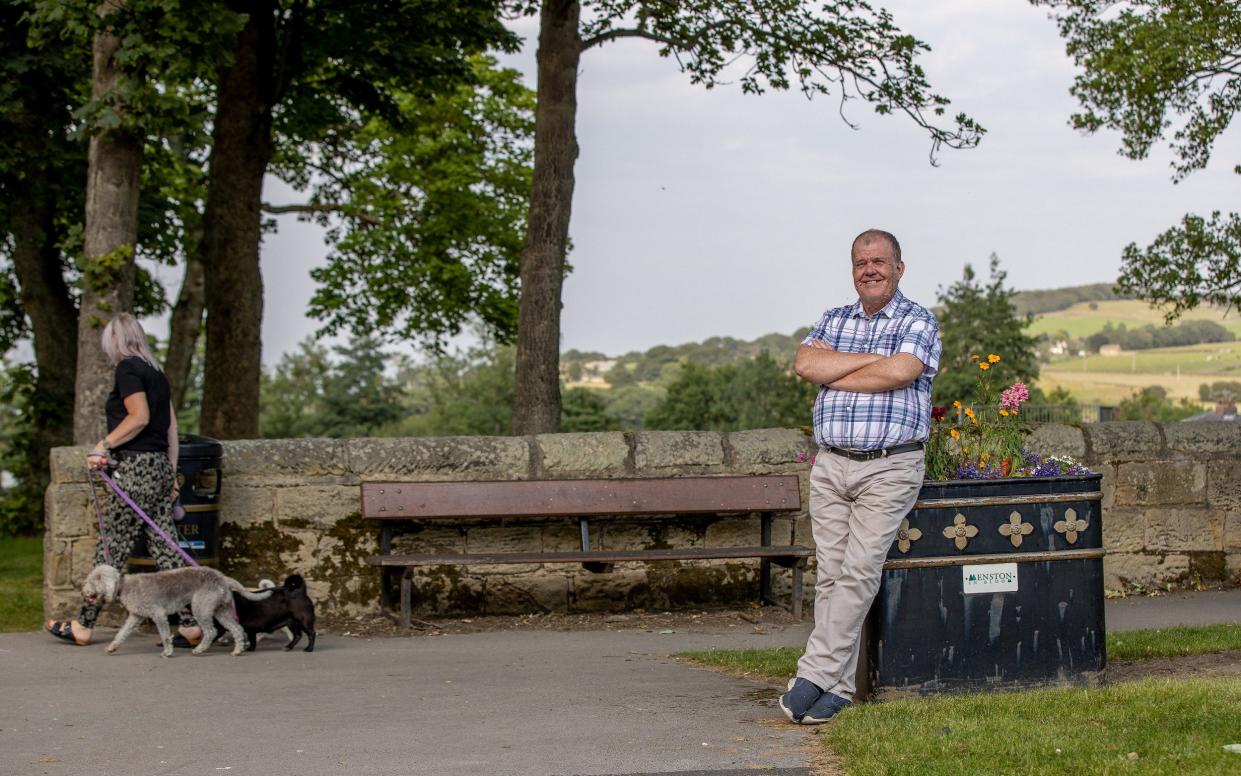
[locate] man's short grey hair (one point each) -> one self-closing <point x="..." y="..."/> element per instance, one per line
<point x="123" y="337"/>
<point x="877" y="234"/>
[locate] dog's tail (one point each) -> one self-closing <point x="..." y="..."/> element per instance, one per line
<point x="240" y="590"/>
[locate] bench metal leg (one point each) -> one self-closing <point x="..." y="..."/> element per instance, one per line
<point x="764" y="568"/>
<point x="798" y="568"/>
<point x="407" y="584"/>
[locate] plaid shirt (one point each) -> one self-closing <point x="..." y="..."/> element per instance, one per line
<point x="871" y="421"/>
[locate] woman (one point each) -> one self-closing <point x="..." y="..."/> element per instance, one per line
<point x="142" y="437"/>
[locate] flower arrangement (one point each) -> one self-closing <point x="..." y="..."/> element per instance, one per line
<point x="986" y="443"/>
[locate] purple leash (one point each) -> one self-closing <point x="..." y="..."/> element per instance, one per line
<point x="125" y="497"/>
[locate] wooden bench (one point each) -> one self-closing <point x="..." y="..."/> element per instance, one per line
<point x="768" y="495"/>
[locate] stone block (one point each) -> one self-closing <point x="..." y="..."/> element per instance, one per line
<point x="448" y="590"/>
<point x="310" y="457"/>
<point x="316" y="506"/>
<point x="544" y="592"/>
<point x="735" y="532"/>
<point x="620" y="535"/>
<point x="1184" y="529"/>
<point x="1123" y="439"/>
<point x="1224" y="483"/>
<point x="440" y="458"/>
<point x="567" y="536"/>
<point x="68" y="464"/>
<point x="665" y="450"/>
<point x="625" y="587"/>
<point x="1232" y="531"/>
<point x="1180" y="483"/>
<point x="596" y="454"/>
<point x="247" y="506"/>
<point x="515" y="570"/>
<point x="57" y="565"/>
<point x="81" y="560"/>
<point x="1056" y="439"/>
<point x="1123" y="571"/>
<point x="1124" y="530"/>
<point x="803" y="532"/>
<point x="69" y="511"/>
<point x="1203" y="438"/>
<point x="421" y="538"/>
<point x="761" y="449"/>
<point x="504" y="538"/>
<point x="1232" y="562"/>
<point x="1107" y="485"/>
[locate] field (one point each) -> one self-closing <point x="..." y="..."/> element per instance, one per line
<point x="1109" y="379"/>
<point x="1081" y="321"/>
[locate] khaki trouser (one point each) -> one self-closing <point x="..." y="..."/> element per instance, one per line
<point x="856" y="508"/>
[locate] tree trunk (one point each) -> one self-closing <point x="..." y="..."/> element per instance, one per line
<point x="241" y="150"/>
<point x="183" y="331"/>
<point x="114" y="169"/>
<point x="536" y="401"/>
<point x="54" y="321"/>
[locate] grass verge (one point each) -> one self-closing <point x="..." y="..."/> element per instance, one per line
<point x="1147" y="727"/>
<point x="21" y="584"/>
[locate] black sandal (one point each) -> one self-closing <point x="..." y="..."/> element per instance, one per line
<point x="64" y="630"/>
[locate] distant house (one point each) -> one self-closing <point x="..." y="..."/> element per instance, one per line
<point x="1110" y="350"/>
<point x="1059" y="348"/>
<point x="1225" y="409"/>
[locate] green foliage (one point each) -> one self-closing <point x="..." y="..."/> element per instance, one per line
<point x="21" y="410"/>
<point x="21" y="584"/>
<point x="755" y="393"/>
<point x="427" y="213"/>
<point x="1156" y="69"/>
<point x="1152" y="403"/>
<point x="1050" y="300"/>
<point x="311" y="395"/>
<point x="983" y="438"/>
<point x="977" y="320"/>
<point x="1149" y="337"/>
<point x="1220" y="389"/>
<point x="582" y="409"/>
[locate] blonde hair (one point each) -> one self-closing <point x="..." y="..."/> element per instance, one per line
<point x="123" y="337"/>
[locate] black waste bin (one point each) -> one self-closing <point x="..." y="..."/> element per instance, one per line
<point x="198" y="473"/>
<point x="992" y="584"/>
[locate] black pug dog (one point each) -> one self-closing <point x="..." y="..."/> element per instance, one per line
<point x="287" y="607"/>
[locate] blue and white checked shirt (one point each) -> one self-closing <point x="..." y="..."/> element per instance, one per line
<point x="871" y="421"/>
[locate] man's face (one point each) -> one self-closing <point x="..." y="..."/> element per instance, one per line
<point x="876" y="273"/>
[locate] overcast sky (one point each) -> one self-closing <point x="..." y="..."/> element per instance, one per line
<point x="700" y="214"/>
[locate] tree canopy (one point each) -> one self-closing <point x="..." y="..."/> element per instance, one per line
<point x="1156" y="70"/>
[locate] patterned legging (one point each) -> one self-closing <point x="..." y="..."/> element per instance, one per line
<point x="148" y="479"/>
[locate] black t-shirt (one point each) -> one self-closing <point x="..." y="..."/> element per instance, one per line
<point x="133" y="375"/>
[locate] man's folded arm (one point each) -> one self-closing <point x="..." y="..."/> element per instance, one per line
<point x="823" y="366"/>
<point x="886" y="373"/>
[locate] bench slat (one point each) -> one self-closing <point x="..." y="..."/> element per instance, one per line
<point x="614" y="556"/>
<point x="579" y="498"/>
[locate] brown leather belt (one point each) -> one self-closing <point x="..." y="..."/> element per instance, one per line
<point x="870" y="455"/>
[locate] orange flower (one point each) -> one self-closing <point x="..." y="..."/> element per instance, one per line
<point x="993" y="358"/>
<point x="969" y="411"/>
<point x="957" y="404"/>
<point x="974" y="357"/>
<point x="1004" y="413"/>
<point x="984" y="366"/>
<point x="954" y="434"/>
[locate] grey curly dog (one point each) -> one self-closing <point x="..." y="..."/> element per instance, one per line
<point x="207" y="592"/>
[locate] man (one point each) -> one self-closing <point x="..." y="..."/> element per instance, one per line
<point x="873" y="361"/>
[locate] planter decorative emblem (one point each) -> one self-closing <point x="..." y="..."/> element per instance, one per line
<point x="960" y="531"/>
<point x="1014" y="529"/>
<point x="906" y="535"/>
<point x="1070" y="526"/>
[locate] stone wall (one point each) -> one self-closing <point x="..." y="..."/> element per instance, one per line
<point x="1171" y="511"/>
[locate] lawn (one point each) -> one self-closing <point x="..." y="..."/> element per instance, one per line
<point x="21" y="584"/>
<point x="1081" y="321"/>
<point x="1145" y="727"/>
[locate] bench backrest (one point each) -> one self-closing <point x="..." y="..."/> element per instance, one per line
<point x="580" y="498"/>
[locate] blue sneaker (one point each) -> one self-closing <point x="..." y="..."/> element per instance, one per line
<point x="801" y="696"/>
<point x="827" y="706"/>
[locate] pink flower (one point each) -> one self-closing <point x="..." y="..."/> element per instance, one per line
<point x="801" y="456"/>
<point x="1012" y="398"/>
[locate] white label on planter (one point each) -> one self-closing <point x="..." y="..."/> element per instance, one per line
<point x="990" y="578"/>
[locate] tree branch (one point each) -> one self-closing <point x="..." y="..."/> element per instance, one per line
<point x="604" y="37"/>
<point x="328" y="207"/>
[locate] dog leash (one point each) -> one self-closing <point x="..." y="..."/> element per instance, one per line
<point x="138" y="510"/>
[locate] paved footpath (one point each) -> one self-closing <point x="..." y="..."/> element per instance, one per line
<point x="522" y="703"/>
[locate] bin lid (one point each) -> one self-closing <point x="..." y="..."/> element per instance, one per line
<point x="194" y="446"/>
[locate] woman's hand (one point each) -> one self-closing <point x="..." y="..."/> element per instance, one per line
<point x="98" y="458"/>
